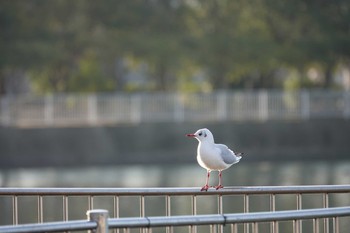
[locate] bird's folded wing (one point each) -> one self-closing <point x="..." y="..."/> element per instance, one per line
<point x="227" y="155"/>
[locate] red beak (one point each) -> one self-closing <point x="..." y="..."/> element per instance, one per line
<point x="191" y="135"/>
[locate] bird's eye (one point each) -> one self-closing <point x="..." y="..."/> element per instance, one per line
<point x="200" y="134"/>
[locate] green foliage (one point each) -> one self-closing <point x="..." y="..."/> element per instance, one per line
<point x="73" y="45"/>
<point x="89" y="77"/>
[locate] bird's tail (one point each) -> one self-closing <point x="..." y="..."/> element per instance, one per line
<point x="239" y="155"/>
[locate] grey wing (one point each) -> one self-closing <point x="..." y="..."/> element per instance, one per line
<point x="227" y="155"/>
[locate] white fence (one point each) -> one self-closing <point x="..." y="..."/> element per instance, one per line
<point x="123" y="108"/>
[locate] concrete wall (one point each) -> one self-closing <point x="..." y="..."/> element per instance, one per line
<point x="166" y="143"/>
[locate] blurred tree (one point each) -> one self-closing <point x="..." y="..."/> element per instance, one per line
<point x="80" y="45"/>
<point x="154" y="33"/>
<point x="89" y="76"/>
<point x="310" y="32"/>
<point x="234" y="44"/>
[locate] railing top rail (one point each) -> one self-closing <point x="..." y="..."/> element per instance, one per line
<point x="175" y="191"/>
<point x="50" y="227"/>
<point x="184" y="220"/>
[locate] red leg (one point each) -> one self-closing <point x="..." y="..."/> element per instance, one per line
<point x="206" y="186"/>
<point x="220" y="181"/>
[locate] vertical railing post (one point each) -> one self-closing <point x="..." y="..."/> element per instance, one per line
<point x="305" y="105"/>
<point x="263" y="105"/>
<point x="48" y="110"/>
<point x="15" y="210"/>
<point x="179" y="108"/>
<point x="101" y="218"/>
<point x="136" y="108"/>
<point x="326" y="205"/>
<point x="221" y="106"/>
<point x="246" y="210"/>
<point x="299" y="207"/>
<point x="274" y="224"/>
<point x="92" y="108"/>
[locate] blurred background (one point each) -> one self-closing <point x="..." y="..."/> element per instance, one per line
<point x="102" y="93"/>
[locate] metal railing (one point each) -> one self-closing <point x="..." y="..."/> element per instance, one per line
<point x="185" y="209"/>
<point x="120" y="108"/>
<point x="99" y="222"/>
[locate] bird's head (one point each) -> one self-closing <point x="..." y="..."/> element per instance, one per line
<point x="202" y="135"/>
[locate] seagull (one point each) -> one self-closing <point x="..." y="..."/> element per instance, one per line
<point x="213" y="157"/>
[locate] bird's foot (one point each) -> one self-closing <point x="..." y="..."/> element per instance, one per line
<point x="205" y="188"/>
<point x="218" y="187"/>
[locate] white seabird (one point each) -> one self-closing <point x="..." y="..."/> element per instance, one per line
<point x="213" y="157"/>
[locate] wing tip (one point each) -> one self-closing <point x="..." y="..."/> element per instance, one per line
<point x="240" y="154"/>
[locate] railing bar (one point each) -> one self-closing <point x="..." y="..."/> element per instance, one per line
<point x="194" y="205"/>
<point x="336" y="225"/>
<point x="91" y="202"/>
<point x="273" y="224"/>
<point x="51" y="227"/>
<point x="142" y="206"/>
<point x="40" y="209"/>
<point x="194" y="211"/>
<point x="326" y="220"/>
<point x="194" y="208"/>
<point x="220" y="205"/>
<point x="116" y="209"/>
<point x="116" y="206"/>
<point x="212" y="228"/>
<point x="220" y="211"/>
<point x="168" y="212"/>
<point x="275" y="227"/>
<point x="142" y="211"/>
<point x="234" y="228"/>
<point x="272" y="202"/>
<point x="167" y="205"/>
<point x="299" y="207"/>
<point x="15" y="210"/>
<point x="186" y="220"/>
<point x="295" y="226"/>
<point x="190" y="229"/>
<point x="255" y="227"/>
<point x="213" y="220"/>
<point x="220" y="228"/>
<point x="246" y="210"/>
<point x="299" y="201"/>
<point x="175" y="191"/>
<point x="316" y="227"/>
<point x="65" y="208"/>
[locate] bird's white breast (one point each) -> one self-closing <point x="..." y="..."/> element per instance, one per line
<point x="209" y="157"/>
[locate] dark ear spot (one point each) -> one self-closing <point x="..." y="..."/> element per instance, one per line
<point x="205" y="134"/>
